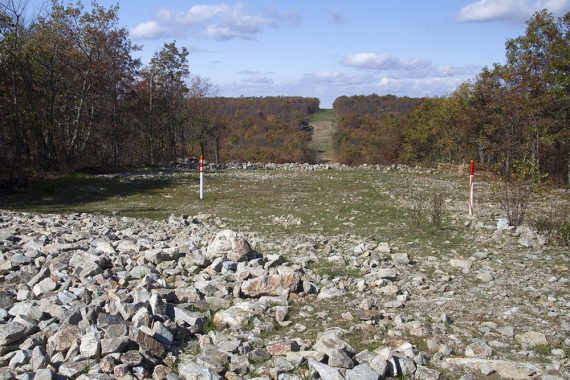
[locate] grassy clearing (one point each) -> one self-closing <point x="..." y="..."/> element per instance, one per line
<point x="323" y="115"/>
<point x="272" y="202"/>
<point x="279" y="203"/>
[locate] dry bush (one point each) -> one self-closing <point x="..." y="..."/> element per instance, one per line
<point x="514" y="199"/>
<point x="428" y="209"/>
<point x="437" y="207"/>
<point x="418" y="207"/>
<point x="554" y="225"/>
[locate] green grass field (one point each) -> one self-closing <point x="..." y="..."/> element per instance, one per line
<point x="324" y="114"/>
<point x="330" y="202"/>
<point x="391" y="205"/>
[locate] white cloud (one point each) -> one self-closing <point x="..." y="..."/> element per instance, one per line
<point x="148" y="30"/>
<point x="395" y="67"/>
<point x="217" y="22"/>
<point x="328" y="85"/>
<point x="509" y="10"/>
<point x="374" y="61"/>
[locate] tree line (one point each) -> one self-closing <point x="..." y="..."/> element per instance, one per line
<point x="512" y="112"/>
<point x="73" y="95"/>
<point x="257" y="129"/>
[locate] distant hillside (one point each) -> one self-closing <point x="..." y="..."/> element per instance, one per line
<point x="370" y="128"/>
<point x="257" y="129"/>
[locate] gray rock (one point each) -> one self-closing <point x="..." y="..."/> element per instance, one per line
<point x="400" y="258"/>
<point x="226" y="243"/>
<point x="505" y="369"/>
<point x="131" y="358"/>
<point x="90" y="346"/>
<point x="186" y="318"/>
<point x="330" y="293"/>
<point x="271" y="285"/>
<point x="146" y="341"/>
<point x="464" y="265"/>
<point x="531" y="338"/>
<point x="104" y="247"/>
<point x="11" y="333"/>
<point x="388" y="273"/>
<point x="190" y="370"/>
<point x="19" y="359"/>
<point x="380" y="365"/>
<point x="213" y="358"/>
<point x="485" y="276"/>
<point x="425" y="373"/>
<point x="43" y="374"/>
<point x="112" y="345"/>
<point x="478" y="349"/>
<point x="162" y="333"/>
<point x="44" y="286"/>
<point x="239" y="315"/>
<point x="19" y="260"/>
<point x="72" y="369"/>
<point x="325" y="372"/>
<point x="339" y="358"/>
<point x="361" y="372"/>
<point x="38" y="359"/>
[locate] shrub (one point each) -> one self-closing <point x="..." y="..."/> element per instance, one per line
<point x="437" y="207"/>
<point x="554" y="224"/>
<point x="516" y="188"/>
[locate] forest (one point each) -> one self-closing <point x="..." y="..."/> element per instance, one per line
<point x="509" y="113"/>
<point x="72" y="96"/>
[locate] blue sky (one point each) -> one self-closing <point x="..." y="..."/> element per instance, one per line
<point x="330" y="48"/>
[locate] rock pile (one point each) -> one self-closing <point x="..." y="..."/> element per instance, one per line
<point x="100" y="297"/>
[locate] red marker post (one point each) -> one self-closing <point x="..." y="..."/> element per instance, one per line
<point x="471" y="202"/>
<point x="201" y="177"/>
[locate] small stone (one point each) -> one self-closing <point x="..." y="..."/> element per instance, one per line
<point x="44" y="286"/>
<point x="425" y="373"/>
<point x="189" y="370"/>
<point x="485" y="276"/>
<point x="478" y="349"/>
<point x="43" y="374"/>
<point x="20" y="358"/>
<point x="112" y="345"/>
<point x="282" y="348"/>
<point x="90" y="346"/>
<point x="507" y="331"/>
<point x="325" y="372"/>
<point x="361" y="372"/>
<point x="281" y="313"/>
<point x="400" y="258"/>
<point x="330" y="293"/>
<point x="104" y="247"/>
<point x="62" y="340"/>
<point x="531" y="338"/>
<point x="72" y="369"/>
<point x="120" y="370"/>
<point x="147" y="342"/>
<point x="486" y="369"/>
<point x="464" y="265"/>
<point x="131" y="358"/>
<point x="11" y="332"/>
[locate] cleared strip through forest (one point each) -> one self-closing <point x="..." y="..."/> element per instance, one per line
<point x="324" y="127"/>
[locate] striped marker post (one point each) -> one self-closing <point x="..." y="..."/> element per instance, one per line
<point x="471" y="201"/>
<point x="201" y="177"/>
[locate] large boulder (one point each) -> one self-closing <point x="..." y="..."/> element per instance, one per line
<point x="227" y="244"/>
<point x="271" y="285"/>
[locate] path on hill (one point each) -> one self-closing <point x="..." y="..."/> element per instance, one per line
<point x="324" y="126"/>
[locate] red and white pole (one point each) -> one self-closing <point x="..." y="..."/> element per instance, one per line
<point x="201" y="177"/>
<point x="471" y="193"/>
